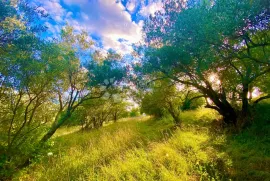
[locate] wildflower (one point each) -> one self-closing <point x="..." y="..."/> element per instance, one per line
<point x="50" y="154"/>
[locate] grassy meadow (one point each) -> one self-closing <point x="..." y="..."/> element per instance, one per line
<point x="146" y="149"/>
<point x="79" y="80"/>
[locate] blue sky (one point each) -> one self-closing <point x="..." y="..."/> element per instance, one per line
<point x="111" y="24"/>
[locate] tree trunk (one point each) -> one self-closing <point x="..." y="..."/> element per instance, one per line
<point x="175" y="115"/>
<point x="55" y="126"/>
<point x="177" y="120"/>
<point x="245" y="112"/>
<point x="222" y="106"/>
<point x="58" y="122"/>
<point x="229" y="116"/>
<point x="245" y="104"/>
<point x="115" y="117"/>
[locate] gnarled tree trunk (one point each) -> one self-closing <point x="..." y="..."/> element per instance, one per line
<point x="222" y="106"/>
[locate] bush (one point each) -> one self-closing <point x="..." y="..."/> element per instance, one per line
<point x="134" y="112"/>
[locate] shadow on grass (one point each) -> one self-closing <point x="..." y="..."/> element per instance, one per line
<point x="246" y="155"/>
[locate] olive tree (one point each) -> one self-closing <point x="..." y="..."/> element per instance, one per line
<point x="220" y="47"/>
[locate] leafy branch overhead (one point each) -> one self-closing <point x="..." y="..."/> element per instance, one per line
<point x="227" y="40"/>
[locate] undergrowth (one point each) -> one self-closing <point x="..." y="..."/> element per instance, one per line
<point x="146" y="149"/>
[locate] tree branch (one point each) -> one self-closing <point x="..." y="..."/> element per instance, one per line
<point x="197" y="97"/>
<point x="261" y="99"/>
<point x="213" y="107"/>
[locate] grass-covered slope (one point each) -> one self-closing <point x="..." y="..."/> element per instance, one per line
<point x="147" y="149"/>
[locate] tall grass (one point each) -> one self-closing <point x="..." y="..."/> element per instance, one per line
<point x="149" y="149"/>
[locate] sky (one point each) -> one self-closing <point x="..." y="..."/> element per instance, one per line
<point x="111" y="24"/>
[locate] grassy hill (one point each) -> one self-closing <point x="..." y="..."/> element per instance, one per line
<point x="147" y="149"/>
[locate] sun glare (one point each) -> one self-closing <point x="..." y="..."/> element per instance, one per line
<point x="209" y="101"/>
<point x="255" y="93"/>
<point x="213" y="78"/>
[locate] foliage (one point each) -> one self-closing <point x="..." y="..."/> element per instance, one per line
<point x="119" y="110"/>
<point x="94" y="113"/>
<point x="100" y="111"/>
<point x="13" y="25"/>
<point x="27" y="75"/>
<point x="42" y="83"/>
<point x="164" y="97"/>
<point x="161" y="100"/>
<point x="208" y="47"/>
<point x="192" y="100"/>
<point x="134" y="112"/>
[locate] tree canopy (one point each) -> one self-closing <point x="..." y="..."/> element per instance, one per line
<point x="221" y="48"/>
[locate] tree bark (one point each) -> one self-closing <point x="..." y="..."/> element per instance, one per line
<point x="175" y="115"/>
<point x="245" y="104"/>
<point x="222" y="106"/>
<point x="55" y="126"/>
<point x="115" y="117"/>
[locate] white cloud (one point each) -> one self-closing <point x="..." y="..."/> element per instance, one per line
<point x="131" y="5"/>
<point x="69" y="14"/>
<point x="151" y="8"/>
<point x="58" y="19"/>
<point x="84" y="16"/>
<point x="53" y="8"/>
<point x="106" y="18"/>
<point x="78" y="27"/>
<point x="56" y="11"/>
<point x="121" y="47"/>
<point x="111" y="22"/>
<point x="54" y="29"/>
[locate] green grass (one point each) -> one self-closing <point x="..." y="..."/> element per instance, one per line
<point x="146" y="149"/>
